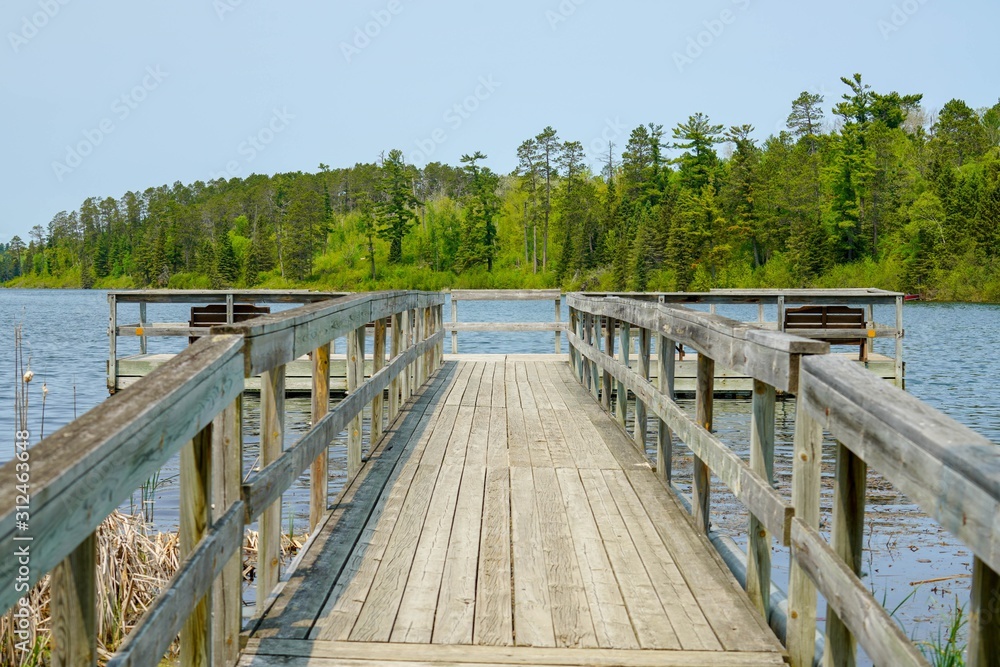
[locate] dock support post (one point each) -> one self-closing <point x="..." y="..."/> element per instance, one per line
<point x="74" y="607"/>
<point x="378" y="363"/>
<point x="585" y="333"/>
<point x="899" y="343"/>
<point x="142" y="325"/>
<point x="806" y="458"/>
<point x="781" y="312"/>
<point x="272" y="437"/>
<point x="984" y="619"/>
<point x="355" y="376"/>
<point x="594" y="337"/>
<point x="702" y="490"/>
<point x="406" y="334"/>
<point x="558" y="319"/>
<point x="850" y="483"/>
<point x="762" y="463"/>
<point x="624" y="342"/>
<point x="639" y="432"/>
<point x="609" y="349"/>
<point x="664" y="441"/>
<point x="227" y="476"/>
<point x="112" y="343"/>
<point x="454" y="319"/>
<point x="195" y="507"/>
<point x="395" y="343"/>
<point x="319" y="472"/>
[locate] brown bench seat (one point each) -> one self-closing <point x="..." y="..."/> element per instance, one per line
<point x="817" y="318"/>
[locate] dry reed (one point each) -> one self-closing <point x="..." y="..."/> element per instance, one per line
<point x="133" y="565"/>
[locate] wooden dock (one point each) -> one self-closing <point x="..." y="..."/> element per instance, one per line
<point x="507" y="520"/>
<point x="501" y="509"/>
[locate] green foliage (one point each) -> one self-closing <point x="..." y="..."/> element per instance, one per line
<point x="886" y="199"/>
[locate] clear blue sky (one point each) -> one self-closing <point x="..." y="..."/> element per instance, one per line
<point x="156" y="92"/>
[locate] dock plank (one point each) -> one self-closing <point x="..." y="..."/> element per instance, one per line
<point x="506" y="520"/>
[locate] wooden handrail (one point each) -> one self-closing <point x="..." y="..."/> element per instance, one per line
<point x="948" y="469"/>
<point x="192" y="403"/>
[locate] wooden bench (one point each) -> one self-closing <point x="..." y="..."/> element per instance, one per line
<point x="215" y="313"/>
<point x="808" y="319"/>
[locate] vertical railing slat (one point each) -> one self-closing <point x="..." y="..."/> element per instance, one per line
<point x="762" y="463"/>
<point x="195" y="504"/>
<point x="639" y="431"/>
<point x="355" y="376"/>
<point x="378" y="363"/>
<point x="806" y="458"/>
<point x="624" y="343"/>
<point x="609" y="349"/>
<point x="702" y="490"/>
<point x="272" y="435"/>
<point x="319" y="471"/>
<point x="850" y="483"/>
<point x="227" y="591"/>
<point x="664" y="440"/>
<point x="73" y="591"/>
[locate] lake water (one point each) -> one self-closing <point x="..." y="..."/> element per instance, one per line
<point x="951" y="363"/>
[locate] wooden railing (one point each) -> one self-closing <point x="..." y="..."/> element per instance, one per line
<point x="144" y="329"/>
<point x="950" y="471"/>
<point x="192" y="404"/>
<point x="506" y="295"/>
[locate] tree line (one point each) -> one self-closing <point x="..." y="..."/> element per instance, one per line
<point x="880" y="192"/>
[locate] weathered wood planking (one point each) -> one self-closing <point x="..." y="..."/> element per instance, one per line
<point x="293" y="653"/>
<point x="749" y="487"/>
<point x="114" y="447"/>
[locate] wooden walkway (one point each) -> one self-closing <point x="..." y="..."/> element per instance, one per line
<point x="507" y="520"/>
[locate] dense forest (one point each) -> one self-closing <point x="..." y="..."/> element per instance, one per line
<point x="879" y="193"/>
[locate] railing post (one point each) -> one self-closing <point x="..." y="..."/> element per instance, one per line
<point x="229" y="308"/>
<point x="664" y="441"/>
<point x="609" y="349"/>
<point x="355" y="376"/>
<point x="702" y="489"/>
<point x="558" y="319"/>
<point x="319" y="472"/>
<point x="112" y="343"/>
<point x="195" y="508"/>
<point x="639" y="432"/>
<point x="762" y="463"/>
<point x="439" y="309"/>
<point x="454" y="319"/>
<point x="899" y="343"/>
<point x="406" y="332"/>
<point x="585" y="335"/>
<point x="806" y="458"/>
<point x="781" y="312"/>
<point x="272" y="436"/>
<point x="142" y="326"/>
<point x="624" y="342"/>
<point x="850" y="483"/>
<point x="74" y="607"/>
<point x="378" y="363"/>
<point x="227" y="591"/>
<point x="594" y="337"/>
<point x="394" y="350"/>
<point x="984" y="616"/>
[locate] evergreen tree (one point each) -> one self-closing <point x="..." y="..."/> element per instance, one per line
<point x="394" y="210"/>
